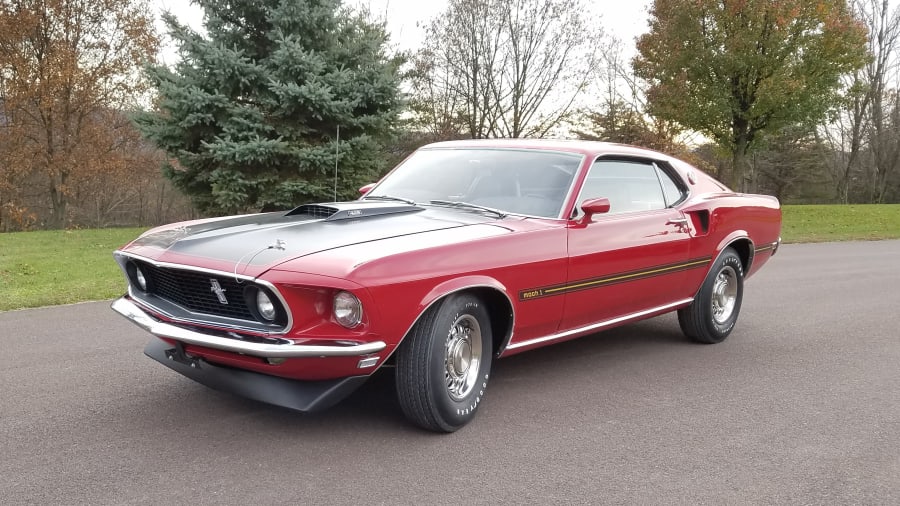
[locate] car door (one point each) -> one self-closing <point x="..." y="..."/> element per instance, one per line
<point x="633" y="257"/>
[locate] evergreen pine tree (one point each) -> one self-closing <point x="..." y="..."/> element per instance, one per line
<point x="251" y="111"/>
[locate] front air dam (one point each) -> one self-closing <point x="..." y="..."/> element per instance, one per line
<point x="304" y="396"/>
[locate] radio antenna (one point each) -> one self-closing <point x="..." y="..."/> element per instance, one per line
<point x="336" y="155"/>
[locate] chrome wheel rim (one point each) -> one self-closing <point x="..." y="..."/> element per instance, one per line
<point x="462" y="357"/>
<point x="724" y="294"/>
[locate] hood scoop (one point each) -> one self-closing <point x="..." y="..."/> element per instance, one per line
<point x="351" y="210"/>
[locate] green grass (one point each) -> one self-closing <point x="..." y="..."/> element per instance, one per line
<point x="821" y="223"/>
<point x="60" y="266"/>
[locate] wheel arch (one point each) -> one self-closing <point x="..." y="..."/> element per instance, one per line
<point x="494" y="295"/>
<point x="742" y="244"/>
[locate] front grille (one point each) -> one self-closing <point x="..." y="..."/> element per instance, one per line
<point x="194" y="291"/>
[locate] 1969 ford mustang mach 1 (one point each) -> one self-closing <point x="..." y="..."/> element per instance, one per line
<point x="468" y="251"/>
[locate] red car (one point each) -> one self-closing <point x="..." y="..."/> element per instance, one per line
<point x="466" y="252"/>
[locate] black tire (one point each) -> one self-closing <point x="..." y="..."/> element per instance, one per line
<point x="444" y="364"/>
<point x="712" y="315"/>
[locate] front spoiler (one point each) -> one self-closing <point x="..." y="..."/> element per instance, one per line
<point x="305" y="396"/>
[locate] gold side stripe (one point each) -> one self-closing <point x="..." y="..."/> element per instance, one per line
<point x="627" y="276"/>
<point x="543" y="292"/>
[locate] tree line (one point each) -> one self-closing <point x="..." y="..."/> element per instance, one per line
<point x="793" y="98"/>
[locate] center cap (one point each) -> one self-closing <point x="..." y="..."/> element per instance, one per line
<point x="462" y="356"/>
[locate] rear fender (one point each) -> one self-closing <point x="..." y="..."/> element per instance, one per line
<point x="745" y="251"/>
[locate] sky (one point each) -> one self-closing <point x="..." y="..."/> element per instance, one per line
<point x="624" y="19"/>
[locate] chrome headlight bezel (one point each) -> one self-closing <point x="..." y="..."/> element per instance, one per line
<point x="137" y="277"/>
<point x="264" y="305"/>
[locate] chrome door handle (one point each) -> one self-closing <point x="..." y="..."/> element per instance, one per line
<point x="682" y="222"/>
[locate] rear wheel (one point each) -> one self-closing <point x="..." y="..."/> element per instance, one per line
<point x="712" y="315"/>
<point x="444" y="364"/>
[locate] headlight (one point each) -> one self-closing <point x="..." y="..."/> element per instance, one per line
<point x="265" y="306"/>
<point x="347" y="309"/>
<point x="139" y="277"/>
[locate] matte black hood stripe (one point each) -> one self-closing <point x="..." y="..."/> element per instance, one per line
<point x="266" y="240"/>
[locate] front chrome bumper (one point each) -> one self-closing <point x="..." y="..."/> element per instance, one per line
<point x="142" y="319"/>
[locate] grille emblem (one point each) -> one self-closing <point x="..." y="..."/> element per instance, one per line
<point x="218" y="290"/>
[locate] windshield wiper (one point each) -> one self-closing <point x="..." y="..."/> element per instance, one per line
<point x="389" y="197"/>
<point x="466" y="205"/>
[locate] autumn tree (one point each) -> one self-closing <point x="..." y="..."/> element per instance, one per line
<point x="64" y="65"/>
<point x="736" y="70"/>
<point x="260" y="107"/>
<point x="125" y="185"/>
<point x="504" y="68"/>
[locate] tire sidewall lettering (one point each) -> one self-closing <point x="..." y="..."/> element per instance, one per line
<point x="730" y="260"/>
<point x="474" y="400"/>
<point x="460" y="412"/>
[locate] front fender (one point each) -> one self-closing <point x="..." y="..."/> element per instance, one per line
<point x="449" y="286"/>
<point x="495" y="295"/>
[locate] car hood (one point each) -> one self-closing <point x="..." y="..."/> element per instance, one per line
<point x="252" y="244"/>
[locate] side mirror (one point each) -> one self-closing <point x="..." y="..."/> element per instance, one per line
<point x="367" y="188"/>
<point x="594" y="206"/>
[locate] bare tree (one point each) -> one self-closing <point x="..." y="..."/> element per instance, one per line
<point x="617" y="112"/>
<point x="862" y="133"/>
<point x="847" y="134"/>
<point x="495" y="68"/>
<point x="884" y="35"/>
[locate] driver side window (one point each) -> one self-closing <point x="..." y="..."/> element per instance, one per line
<point x="629" y="185"/>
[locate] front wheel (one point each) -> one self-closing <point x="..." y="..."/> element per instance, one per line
<point x="712" y="315"/>
<point x="444" y="364"/>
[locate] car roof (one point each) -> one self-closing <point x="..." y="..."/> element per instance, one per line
<point x="577" y="146"/>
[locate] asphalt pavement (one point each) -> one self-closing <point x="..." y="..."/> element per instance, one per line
<point x="800" y="405"/>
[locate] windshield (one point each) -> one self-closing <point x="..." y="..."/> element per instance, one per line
<point x="527" y="182"/>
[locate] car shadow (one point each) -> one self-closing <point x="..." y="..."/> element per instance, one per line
<point x="373" y="408"/>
